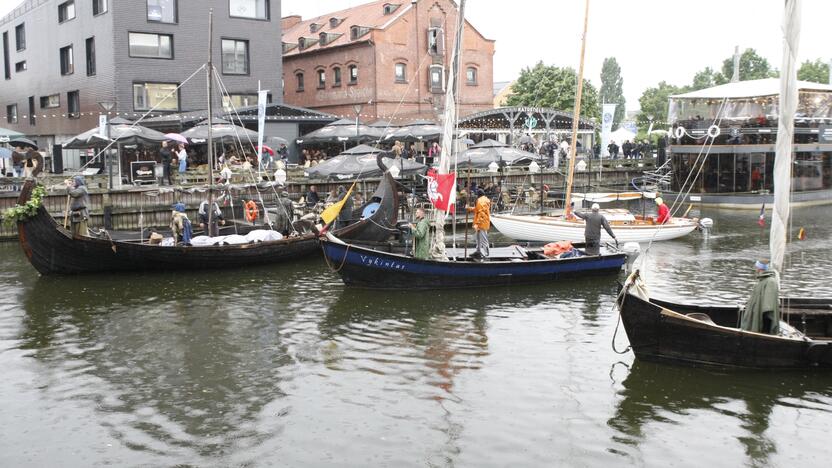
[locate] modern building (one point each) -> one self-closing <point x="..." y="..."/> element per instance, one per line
<point x="65" y="62"/>
<point x="385" y="60"/>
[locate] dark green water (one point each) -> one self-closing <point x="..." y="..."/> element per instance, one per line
<point x="283" y="366"/>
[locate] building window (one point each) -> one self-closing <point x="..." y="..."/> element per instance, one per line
<point x="163" y="11"/>
<point x="20" y="66"/>
<point x="98" y="7"/>
<point x="20" y="36"/>
<point x="234" y="57"/>
<point x="436" y="41"/>
<point x="471" y="76"/>
<point x="335" y="21"/>
<point x="67" y="61"/>
<point x="437" y="78"/>
<point x="401" y="73"/>
<point x="353" y="74"/>
<point x="336" y="76"/>
<point x="389" y="8"/>
<point x="237" y="101"/>
<point x="314" y="27"/>
<point x="150" y="45"/>
<point x="321" y="78"/>
<point x="11" y="113"/>
<point x="50" y="102"/>
<point x="73" y="104"/>
<point x="254" y="9"/>
<point x="32" y="120"/>
<point x="358" y="31"/>
<point x="6" y="65"/>
<point x="299" y="77"/>
<point x="66" y="11"/>
<point x="156" y="96"/>
<point x="90" y="48"/>
<point x="287" y="46"/>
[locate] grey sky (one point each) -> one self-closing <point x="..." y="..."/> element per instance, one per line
<point x="653" y="40"/>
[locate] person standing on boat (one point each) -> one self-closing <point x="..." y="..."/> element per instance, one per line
<point x="762" y="312"/>
<point x="216" y="219"/>
<point x="664" y="212"/>
<point x="166" y="157"/>
<point x="592" y="232"/>
<point x="421" y="237"/>
<point x="78" y="208"/>
<point x="482" y="222"/>
<point x="312" y="197"/>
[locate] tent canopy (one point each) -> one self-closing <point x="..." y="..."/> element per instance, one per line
<point x="482" y="157"/>
<point x="221" y="130"/>
<point x="621" y="135"/>
<point x="128" y="134"/>
<point x="340" y="131"/>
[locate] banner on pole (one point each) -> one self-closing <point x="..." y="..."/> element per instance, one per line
<point x="442" y="190"/>
<point x="607" y="116"/>
<point x="262" y="98"/>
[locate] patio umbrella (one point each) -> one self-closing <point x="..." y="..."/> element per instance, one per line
<point x="479" y="158"/>
<point x="126" y="134"/>
<point x="22" y="143"/>
<point x="360" y="162"/>
<point x="221" y="130"/>
<point x="490" y="143"/>
<point x="177" y="138"/>
<point x="6" y="135"/>
<point x="526" y="139"/>
<point x="417" y="130"/>
<point x="339" y="131"/>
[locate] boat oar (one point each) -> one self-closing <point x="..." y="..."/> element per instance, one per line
<point x="66" y="212"/>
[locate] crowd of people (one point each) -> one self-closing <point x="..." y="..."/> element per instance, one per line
<point x="630" y="150"/>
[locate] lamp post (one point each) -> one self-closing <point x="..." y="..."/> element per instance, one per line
<point x="104" y="119"/>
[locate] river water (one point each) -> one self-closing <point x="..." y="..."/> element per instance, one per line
<point x="283" y="366"/>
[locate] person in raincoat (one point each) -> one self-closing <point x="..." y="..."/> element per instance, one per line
<point x="663" y="215"/>
<point x="421" y="235"/>
<point x="762" y="312"/>
<point x="180" y="224"/>
<point x="482" y="222"/>
<point x="79" y="206"/>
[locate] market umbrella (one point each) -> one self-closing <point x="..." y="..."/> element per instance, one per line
<point x="6" y="134"/>
<point x="177" y="138"/>
<point x="490" y="143"/>
<point x="340" y="130"/>
<point x="127" y="134"/>
<point x="479" y="158"/>
<point x="22" y="143"/>
<point x="417" y="130"/>
<point x="526" y="139"/>
<point x="221" y="130"/>
<point x="360" y="162"/>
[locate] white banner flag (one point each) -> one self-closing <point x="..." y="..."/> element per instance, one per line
<point x="606" y="127"/>
<point x="262" y="97"/>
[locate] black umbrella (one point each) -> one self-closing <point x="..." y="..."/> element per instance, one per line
<point x="127" y="134"/>
<point x="418" y="130"/>
<point x="220" y="130"/>
<point x="360" y="162"/>
<point x="503" y="155"/>
<point x="489" y="143"/>
<point x="21" y="142"/>
<point x="340" y="131"/>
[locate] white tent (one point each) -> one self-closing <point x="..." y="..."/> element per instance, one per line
<point x="621" y="135"/>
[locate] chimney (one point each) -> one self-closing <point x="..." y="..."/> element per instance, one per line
<point x="287" y="22"/>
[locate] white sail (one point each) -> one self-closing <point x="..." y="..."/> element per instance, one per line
<point x="785" y="133"/>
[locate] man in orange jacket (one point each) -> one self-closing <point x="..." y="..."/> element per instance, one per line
<point x="482" y="222"/>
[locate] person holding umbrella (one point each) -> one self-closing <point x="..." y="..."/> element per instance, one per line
<point x="182" y="158"/>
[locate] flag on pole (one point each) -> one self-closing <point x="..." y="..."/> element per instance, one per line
<point x="762" y="220"/>
<point x="442" y="190"/>
<point x="332" y="212"/>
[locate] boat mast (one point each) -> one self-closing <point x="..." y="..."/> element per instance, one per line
<point x="209" y="73"/>
<point x="575" y="118"/>
<point x="438" y="244"/>
<point x="785" y="134"/>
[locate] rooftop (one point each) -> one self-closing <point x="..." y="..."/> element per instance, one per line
<point x="750" y="88"/>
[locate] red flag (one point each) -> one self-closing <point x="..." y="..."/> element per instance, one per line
<point x="442" y="190"/>
<point x="762" y="220"/>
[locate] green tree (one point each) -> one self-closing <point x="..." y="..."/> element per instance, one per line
<point x="817" y="71"/>
<point x="612" y="88"/>
<point x="752" y="67"/>
<point x="550" y="86"/>
<point x="654" y="102"/>
<point x="706" y="79"/>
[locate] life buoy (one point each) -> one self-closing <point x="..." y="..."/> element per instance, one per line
<point x="251" y="211"/>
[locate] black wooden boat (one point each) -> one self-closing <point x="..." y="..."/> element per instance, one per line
<point x="53" y="250"/>
<point x="702" y="335"/>
<point x="370" y="268"/>
<point x="381" y="224"/>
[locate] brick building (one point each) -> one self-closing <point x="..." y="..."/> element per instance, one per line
<point x="389" y="57"/>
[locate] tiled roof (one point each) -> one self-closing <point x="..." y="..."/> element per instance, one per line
<point x="370" y="15"/>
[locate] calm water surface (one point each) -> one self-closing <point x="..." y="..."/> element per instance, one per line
<point x="283" y="366"/>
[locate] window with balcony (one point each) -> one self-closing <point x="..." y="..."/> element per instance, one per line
<point x="336" y="76"/>
<point x="252" y="9"/>
<point x="235" y="57"/>
<point x="401" y="73"/>
<point x="471" y="76"/>
<point x="299" y="78"/>
<point x="321" y="79"/>
<point x="11" y="113"/>
<point x="73" y="104"/>
<point x="157" y="96"/>
<point x="20" y="36"/>
<point x="90" y="49"/>
<point x="163" y="11"/>
<point x="99" y="7"/>
<point x="66" y="11"/>
<point x="147" y="45"/>
<point x="50" y="102"/>
<point x="67" y="60"/>
<point x="353" y="74"/>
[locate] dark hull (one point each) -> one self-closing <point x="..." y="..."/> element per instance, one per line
<point x="367" y="268"/>
<point x="382" y="225"/>
<point x="664" y="333"/>
<point x="52" y="250"/>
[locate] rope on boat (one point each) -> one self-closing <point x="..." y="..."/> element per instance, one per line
<point x="343" y="261"/>
<point x="619" y="302"/>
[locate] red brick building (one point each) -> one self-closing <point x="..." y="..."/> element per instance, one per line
<point x="392" y="58"/>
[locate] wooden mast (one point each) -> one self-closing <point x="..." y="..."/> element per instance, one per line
<point x="575" y="118"/>
<point x="210" y="75"/>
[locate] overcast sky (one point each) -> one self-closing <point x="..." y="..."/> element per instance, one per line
<point x="653" y="40"/>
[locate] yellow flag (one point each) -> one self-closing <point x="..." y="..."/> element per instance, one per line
<point x="331" y="213"/>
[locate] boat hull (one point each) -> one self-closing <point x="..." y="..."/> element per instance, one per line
<point x="552" y="229"/>
<point x="657" y="333"/>
<point x="368" y="268"/>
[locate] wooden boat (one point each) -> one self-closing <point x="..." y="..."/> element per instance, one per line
<point x="53" y="250"/>
<point x="379" y="225"/>
<point x="665" y="331"/>
<point x="627" y="227"/>
<point x="376" y="269"/>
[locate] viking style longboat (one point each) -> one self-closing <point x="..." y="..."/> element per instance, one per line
<point x="53" y="250"/>
<point x="378" y="216"/>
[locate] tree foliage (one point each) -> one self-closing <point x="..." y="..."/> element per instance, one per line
<point x="816" y="72"/>
<point x="654" y="102"/>
<point x="705" y="79"/>
<point x="752" y="67"/>
<point x="550" y="86"/>
<point x="612" y="88"/>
